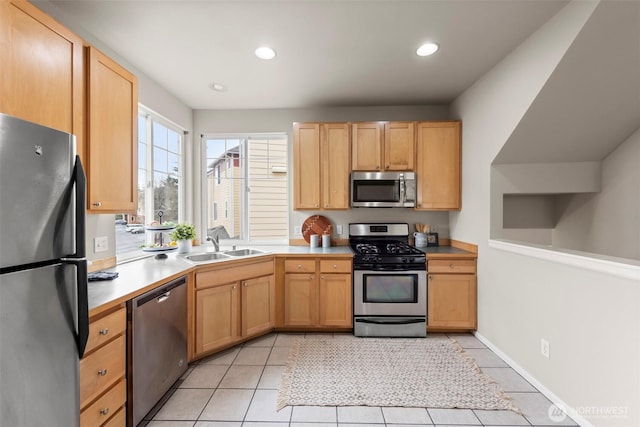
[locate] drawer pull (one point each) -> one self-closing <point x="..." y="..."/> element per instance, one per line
<point x="97" y="204"/>
<point x="299" y="266"/>
<point x="335" y="266"/>
<point x="451" y="266"/>
<point x="102" y="372"/>
<point x="104" y="331"/>
<point x="244" y="284"/>
<point x="104" y="411"/>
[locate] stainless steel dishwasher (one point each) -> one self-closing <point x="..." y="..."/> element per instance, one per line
<point x="157" y="350"/>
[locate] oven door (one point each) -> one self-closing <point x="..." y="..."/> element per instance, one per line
<point x="389" y="293"/>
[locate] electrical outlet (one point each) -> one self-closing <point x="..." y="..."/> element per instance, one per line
<point x="101" y="244"/>
<point x="297" y="230"/>
<point x="544" y="347"/>
<point x="339" y="230"/>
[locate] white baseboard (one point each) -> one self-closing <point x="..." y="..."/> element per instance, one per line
<point x="583" y="422"/>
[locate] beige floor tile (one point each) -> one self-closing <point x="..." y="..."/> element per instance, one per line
<point x="170" y="424"/>
<point x="241" y="376"/>
<point x="292" y="424"/>
<point x="185" y="404"/>
<point x="205" y="376"/>
<point x="271" y="377"/>
<point x="252" y="356"/>
<point x="485" y="358"/>
<point x="227" y="405"/>
<point x="406" y="415"/>
<point x="263" y="341"/>
<point x="225" y="357"/>
<point x="285" y="339"/>
<point x="263" y="424"/>
<point x="453" y="416"/>
<point x="217" y="424"/>
<point x="314" y="414"/>
<point x="536" y="409"/>
<point x="263" y="407"/>
<point x="501" y="418"/>
<point x="278" y="356"/>
<point x="509" y="379"/>
<point x="360" y="414"/>
<point x="467" y="341"/>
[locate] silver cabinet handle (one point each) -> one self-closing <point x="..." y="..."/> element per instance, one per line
<point x="104" y="411"/>
<point x="234" y="286"/>
<point x="97" y="204"/>
<point x="104" y="331"/>
<point x="245" y="284"/>
<point x="102" y="372"/>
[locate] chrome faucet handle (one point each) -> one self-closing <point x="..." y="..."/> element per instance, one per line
<point x="216" y="242"/>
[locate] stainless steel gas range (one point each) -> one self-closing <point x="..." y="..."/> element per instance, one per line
<point x="389" y="282"/>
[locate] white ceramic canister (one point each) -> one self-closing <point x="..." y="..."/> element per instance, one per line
<point x="421" y="239"/>
<point x="314" y="240"/>
<point x="326" y="241"/>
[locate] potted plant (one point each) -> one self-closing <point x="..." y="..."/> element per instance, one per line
<point x="183" y="234"/>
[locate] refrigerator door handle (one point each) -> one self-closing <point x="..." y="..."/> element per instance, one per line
<point x="81" y="201"/>
<point x="82" y="335"/>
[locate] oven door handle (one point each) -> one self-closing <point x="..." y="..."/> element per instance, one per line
<point x="392" y="322"/>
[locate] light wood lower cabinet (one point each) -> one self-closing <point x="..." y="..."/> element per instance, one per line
<point x="317" y="293"/>
<point x="103" y="383"/>
<point x="232" y="303"/>
<point x="451" y="296"/>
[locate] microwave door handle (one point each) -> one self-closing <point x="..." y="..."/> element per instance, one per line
<point x="403" y="189"/>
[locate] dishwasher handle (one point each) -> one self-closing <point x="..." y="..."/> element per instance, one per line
<point x="164" y="297"/>
<point x="159" y="294"/>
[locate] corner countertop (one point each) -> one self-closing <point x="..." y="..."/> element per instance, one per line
<point x="435" y="252"/>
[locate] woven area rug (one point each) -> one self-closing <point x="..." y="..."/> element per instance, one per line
<point x="426" y="373"/>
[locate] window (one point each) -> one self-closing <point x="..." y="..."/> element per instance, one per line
<point x="160" y="186"/>
<point x="247" y="174"/>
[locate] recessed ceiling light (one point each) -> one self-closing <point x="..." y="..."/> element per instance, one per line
<point x="265" y="52"/>
<point x="217" y="87"/>
<point x="427" y="49"/>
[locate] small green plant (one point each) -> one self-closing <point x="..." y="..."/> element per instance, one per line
<point x="183" y="232"/>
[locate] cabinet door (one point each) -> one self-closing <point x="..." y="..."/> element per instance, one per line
<point x="366" y="143"/>
<point x="399" y="138"/>
<point x="217" y="317"/>
<point x="452" y="301"/>
<point x="300" y="300"/>
<point x="112" y="105"/>
<point x="335" y="300"/>
<point x="438" y="166"/>
<point x="336" y="165"/>
<point x="306" y="166"/>
<point x="258" y="305"/>
<point x="42" y="69"/>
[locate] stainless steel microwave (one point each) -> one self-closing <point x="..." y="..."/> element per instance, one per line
<point x="383" y="189"/>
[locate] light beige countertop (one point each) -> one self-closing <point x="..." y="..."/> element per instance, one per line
<point x="142" y="275"/>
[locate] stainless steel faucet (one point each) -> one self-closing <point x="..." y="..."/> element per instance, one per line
<point x="216" y="242"/>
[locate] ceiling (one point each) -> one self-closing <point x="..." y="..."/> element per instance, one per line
<point x="329" y="53"/>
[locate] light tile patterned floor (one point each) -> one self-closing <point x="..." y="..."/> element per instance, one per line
<point x="239" y="388"/>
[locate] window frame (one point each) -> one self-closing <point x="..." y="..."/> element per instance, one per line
<point x="244" y="137"/>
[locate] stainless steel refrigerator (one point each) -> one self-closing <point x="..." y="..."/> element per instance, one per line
<point x="43" y="275"/>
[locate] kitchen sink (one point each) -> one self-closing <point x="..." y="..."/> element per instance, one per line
<point x="209" y="256"/>
<point x="244" y="252"/>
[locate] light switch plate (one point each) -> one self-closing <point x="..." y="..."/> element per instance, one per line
<point x="101" y="244"/>
<point x="339" y="229"/>
<point x="297" y="230"/>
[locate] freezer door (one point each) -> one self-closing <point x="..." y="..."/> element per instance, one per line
<point x="37" y="213"/>
<point x="38" y="353"/>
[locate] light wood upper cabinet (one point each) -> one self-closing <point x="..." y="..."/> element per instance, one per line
<point x="321" y="165"/>
<point x="306" y="166"/>
<point x="366" y="143"/>
<point x="438" y="166"/>
<point x="335" y="149"/>
<point x="112" y="109"/>
<point x="383" y="146"/>
<point x="399" y="141"/>
<point x="42" y="70"/>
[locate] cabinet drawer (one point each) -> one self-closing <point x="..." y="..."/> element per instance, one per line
<point x="102" y="409"/>
<point x="105" y="328"/>
<point x="208" y="278"/>
<point x="452" y="266"/>
<point x="335" y="266"/>
<point x="101" y="369"/>
<point x="118" y="420"/>
<point x="300" y="266"/>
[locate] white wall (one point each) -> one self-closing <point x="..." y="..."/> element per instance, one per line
<point x="591" y="319"/>
<point x="281" y="120"/>
<point x="607" y="222"/>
